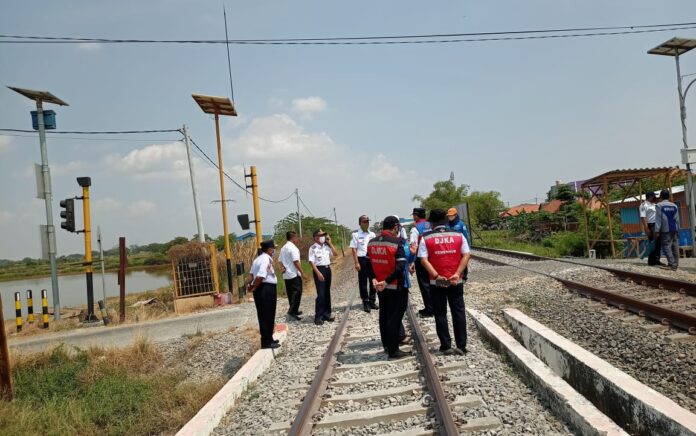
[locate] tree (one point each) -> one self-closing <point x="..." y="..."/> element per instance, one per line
<point x="563" y="193"/>
<point x="445" y="194"/>
<point x="309" y="225"/>
<point x="484" y="207"/>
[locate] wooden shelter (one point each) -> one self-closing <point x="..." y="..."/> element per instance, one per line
<point x="627" y="181"/>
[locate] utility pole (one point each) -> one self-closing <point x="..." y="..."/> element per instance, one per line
<point x="199" y="216"/>
<point x="44" y="187"/>
<point x="101" y="260"/>
<point x="255" y="197"/>
<point x="85" y="183"/>
<point x="342" y="240"/>
<point x="299" y="216"/>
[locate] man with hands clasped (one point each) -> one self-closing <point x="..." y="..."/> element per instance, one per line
<point x="320" y="259"/>
<point x="358" y="245"/>
<point x="444" y="253"/>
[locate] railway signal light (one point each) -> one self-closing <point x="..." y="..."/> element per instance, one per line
<point x="68" y="214"/>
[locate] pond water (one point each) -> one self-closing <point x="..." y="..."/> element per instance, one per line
<point x="73" y="288"/>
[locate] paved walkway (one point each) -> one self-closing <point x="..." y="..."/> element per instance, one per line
<point x="155" y="331"/>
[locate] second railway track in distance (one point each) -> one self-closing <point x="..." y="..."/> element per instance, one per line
<point x="665" y="300"/>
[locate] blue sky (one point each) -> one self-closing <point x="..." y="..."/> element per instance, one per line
<point x="359" y="128"/>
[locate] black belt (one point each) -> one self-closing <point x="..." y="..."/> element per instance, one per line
<point x="323" y="266"/>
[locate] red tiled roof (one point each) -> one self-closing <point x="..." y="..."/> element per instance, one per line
<point x="552" y="206"/>
<point x="521" y="208"/>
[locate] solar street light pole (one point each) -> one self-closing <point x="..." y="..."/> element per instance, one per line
<point x="689" y="176"/>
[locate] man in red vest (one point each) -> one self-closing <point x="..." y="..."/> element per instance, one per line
<point x="388" y="260"/>
<point x="445" y="253"/>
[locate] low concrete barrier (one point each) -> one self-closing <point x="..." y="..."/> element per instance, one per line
<point x="205" y="421"/>
<point x="566" y="403"/>
<point x="631" y="404"/>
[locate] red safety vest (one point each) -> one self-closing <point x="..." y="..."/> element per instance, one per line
<point x="382" y="253"/>
<point x="444" y="251"/>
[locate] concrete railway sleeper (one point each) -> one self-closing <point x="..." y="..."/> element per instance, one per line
<point x="658" y="308"/>
<point x="355" y="386"/>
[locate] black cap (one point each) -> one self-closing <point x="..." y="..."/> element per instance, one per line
<point x="664" y="194"/>
<point x="419" y="211"/>
<point x="389" y="222"/>
<point x="437" y="215"/>
<point x="265" y="245"/>
<point x="649" y="194"/>
<point x="319" y="232"/>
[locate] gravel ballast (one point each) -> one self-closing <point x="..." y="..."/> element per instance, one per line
<point x="649" y="356"/>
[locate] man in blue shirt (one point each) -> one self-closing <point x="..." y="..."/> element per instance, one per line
<point x="455" y="223"/>
<point x="667" y="229"/>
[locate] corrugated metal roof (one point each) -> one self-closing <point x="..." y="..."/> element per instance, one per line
<point x="616" y="176"/>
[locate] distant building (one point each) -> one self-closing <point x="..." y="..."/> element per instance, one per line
<point x="520" y="208"/>
<point x="251" y="235"/>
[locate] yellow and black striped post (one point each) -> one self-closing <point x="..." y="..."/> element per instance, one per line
<point x="30" y="307"/>
<point x="44" y="307"/>
<point x="85" y="183"/>
<point x="18" y="310"/>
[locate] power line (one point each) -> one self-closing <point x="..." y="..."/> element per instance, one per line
<point x="84" y="132"/>
<point x="379" y="40"/>
<point x="212" y="162"/>
<point x="96" y="139"/>
<point x="305" y="206"/>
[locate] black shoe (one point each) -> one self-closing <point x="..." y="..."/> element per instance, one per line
<point x="463" y="349"/>
<point x="424" y="313"/>
<point x="276" y="341"/>
<point x="366" y="307"/>
<point x="299" y="312"/>
<point x="373" y="305"/>
<point x="318" y="322"/>
<point x="271" y="345"/>
<point x="398" y="354"/>
<point x="294" y="317"/>
<point x="329" y="319"/>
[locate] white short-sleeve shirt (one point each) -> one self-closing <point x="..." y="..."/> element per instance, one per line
<point x="423" y="249"/>
<point x="288" y="255"/>
<point x="413" y="236"/>
<point x="647" y="210"/>
<point x="359" y="240"/>
<point x="320" y="255"/>
<point x="264" y="268"/>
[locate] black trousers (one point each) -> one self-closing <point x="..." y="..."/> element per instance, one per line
<point x="424" y="285"/>
<point x="654" y="257"/>
<point x="322" y="305"/>
<point x="454" y="296"/>
<point x="364" y="281"/>
<point x="293" y="287"/>
<point x="265" y="299"/>
<point x="392" y="306"/>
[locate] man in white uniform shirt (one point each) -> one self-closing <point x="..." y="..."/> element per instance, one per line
<point x="320" y="258"/>
<point x="265" y="293"/>
<point x="358" y="245"/>
<point x="292" y="274"/>
<point x="648" y="216"/>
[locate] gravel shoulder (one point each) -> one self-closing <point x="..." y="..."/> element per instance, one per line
<point x="668" y="367"/>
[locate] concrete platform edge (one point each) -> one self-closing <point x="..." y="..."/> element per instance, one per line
<point x="566" y="403"/>
<point x="210" y="415"/>
<point x="627" y="401"/>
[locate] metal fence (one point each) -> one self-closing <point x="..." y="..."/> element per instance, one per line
<point x="196" y="275"/>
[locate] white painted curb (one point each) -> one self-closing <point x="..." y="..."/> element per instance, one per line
<point x="563" y="399"/>
<point x="205" y="421"/>
<point x="643" y="409"/>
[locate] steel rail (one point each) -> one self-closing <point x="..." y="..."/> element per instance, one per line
<point x="302" y="424"/>
<point x="681" y="286"/>
<point x="661" y="314"/>
<point x="448" y="426"/>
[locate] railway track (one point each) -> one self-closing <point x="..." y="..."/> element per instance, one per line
<point x="356" y="386"/>
<point x="668" y="301"/>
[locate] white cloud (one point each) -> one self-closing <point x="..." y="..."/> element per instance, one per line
<point x="381" y="170"/>
<point x="157" y="161"/>
<point x="68" y="168"/>
<point x="140" y="208"/>
<point x="5" y="144"/>
<point x="89" y="46"/>
<point x="279" y="137"/>
<point x="309" y="105"/>
<point x="5" y="217"/>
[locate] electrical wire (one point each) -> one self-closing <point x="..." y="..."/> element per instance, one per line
<point x="379" y="39"/>
<point x="305" y="206"/>
<point x="83" y="132"/>
<point x="96" y="139"/>
<point x="215" y="165"/>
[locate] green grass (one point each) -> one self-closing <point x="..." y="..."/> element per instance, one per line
<point x="505" y="240"/>
<point x="95" y="391"/>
